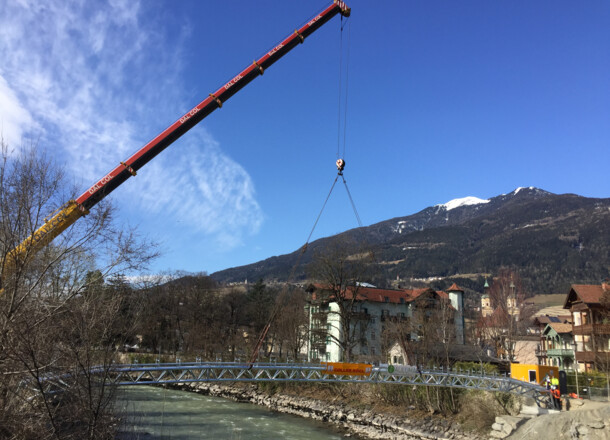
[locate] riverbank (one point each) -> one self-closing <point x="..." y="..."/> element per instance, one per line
<point x="360" y="422"/>
<point x="585" y="419"/>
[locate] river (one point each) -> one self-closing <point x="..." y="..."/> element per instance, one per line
<point x="154" y="413"/>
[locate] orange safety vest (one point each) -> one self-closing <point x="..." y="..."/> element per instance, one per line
<point x="556" y="393"/>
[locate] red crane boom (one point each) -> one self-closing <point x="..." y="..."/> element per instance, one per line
<point x="126" y="169"/>
<point x="74" y="209"/>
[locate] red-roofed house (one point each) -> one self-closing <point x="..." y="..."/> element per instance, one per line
<point x="370" y="309"/>
<point x="591" y="325"/>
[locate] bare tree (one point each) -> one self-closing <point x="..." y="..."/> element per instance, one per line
<point x="232" y="316"/>
<point x="428" y="333"/>
<point x="510" y="317"/>
<point x="426" y="337"/>
<point x="291" y="323"/>
<point x="191" y="315"/>
<point x="53" y="321"/>
<point x="340" y="270"/>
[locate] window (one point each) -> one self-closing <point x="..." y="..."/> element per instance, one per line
<point x="373" y="335"/>
<point x="373" y="351"/>
<point x="373" y="321"/>
<point x="386" y="299"/>
<point x="402" y="300"/>
<point x="532" y="376"/>
<point x="327" y="340"/>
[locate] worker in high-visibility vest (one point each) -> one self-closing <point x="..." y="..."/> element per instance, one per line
<point x="555" y="393"/>
<point x="547" y="382"/>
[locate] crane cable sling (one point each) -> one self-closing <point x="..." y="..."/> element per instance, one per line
<point x="276" y="307"/>
<point x="352" y="201"/>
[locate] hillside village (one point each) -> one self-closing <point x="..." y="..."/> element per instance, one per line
<point x="403" y="326"/>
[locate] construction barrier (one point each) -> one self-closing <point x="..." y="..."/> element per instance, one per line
<point x="347" y="369"/>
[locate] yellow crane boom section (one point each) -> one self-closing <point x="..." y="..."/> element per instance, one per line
<point x="52" y="227"/>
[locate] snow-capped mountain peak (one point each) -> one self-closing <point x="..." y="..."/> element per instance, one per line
<point x="520" y="188"/>
<point x="464" y="201"/>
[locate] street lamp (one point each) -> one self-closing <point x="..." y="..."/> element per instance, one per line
<point x="575" y="365"/>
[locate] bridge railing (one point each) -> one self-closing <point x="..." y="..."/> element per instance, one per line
<point x="173" y="373"/>
<point x="192" y="372"/>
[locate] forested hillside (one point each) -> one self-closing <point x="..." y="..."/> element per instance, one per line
<point x="550" y="240"/>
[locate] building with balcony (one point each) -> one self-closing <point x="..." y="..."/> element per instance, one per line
<point x="591" y="325"/>
<point x="357" y="318"/>
<point x="556" y="344"/>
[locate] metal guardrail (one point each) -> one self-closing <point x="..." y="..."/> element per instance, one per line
<point x="147" y="374"/>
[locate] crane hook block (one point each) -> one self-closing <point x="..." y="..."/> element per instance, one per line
<point x="340" y="165"/>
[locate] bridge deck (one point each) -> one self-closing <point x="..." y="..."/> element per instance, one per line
<point x="146" y="374"/>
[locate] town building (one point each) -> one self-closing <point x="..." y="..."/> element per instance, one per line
<point x="556" y="346"/>
<point x="486" y="308"/>
<point x="591" y="325"/>
<point x="355" y="323"/>
<point x="511" y="306"/>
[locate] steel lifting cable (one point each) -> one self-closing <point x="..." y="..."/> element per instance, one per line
<point x="341" y="87"/>
<point x="320" y="214"/>
<point x="346" y="87"/>
<point x="351" y="200"/>
<point x="278" y="302"/>
<point x="340" y="166"/>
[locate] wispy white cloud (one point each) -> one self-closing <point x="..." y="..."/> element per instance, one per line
<point x="14" y="118"/>
<point x="75" y="73"/>
<point x="204" y="188"/>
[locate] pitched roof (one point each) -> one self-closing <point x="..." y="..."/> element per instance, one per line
<point x="542" y="319"/>
<point x="561" y="328"/>
<point x="374" y="294"/>
<point x="587" y="293"/>
<point x="455" y="288"/>
<point x="416" y="293"/>
<point x="382" y="295"/>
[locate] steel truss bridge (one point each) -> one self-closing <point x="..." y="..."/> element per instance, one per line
<point x="180" y="373"/>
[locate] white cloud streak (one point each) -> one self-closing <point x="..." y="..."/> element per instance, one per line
<point x="14" y="118"/>
<point x="74" y="73"/>
<point x="204" y="188"/>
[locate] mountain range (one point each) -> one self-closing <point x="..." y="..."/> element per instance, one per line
<point x="550" y="240"/>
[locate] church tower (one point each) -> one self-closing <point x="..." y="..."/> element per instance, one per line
<point x="456" y="296"/>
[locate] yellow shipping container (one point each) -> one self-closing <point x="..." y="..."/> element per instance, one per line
<point x="532" y="373"/>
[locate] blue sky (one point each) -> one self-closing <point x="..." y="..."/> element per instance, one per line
<point x="445" y="100"/>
